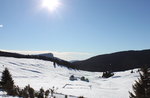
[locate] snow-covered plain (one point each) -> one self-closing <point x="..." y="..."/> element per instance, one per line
<point x="39" y="73"/>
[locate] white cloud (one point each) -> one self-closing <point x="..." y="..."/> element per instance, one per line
<point x="1" y="25"/>
<point x="72" y="55"/>
<point x="62" y="55"/>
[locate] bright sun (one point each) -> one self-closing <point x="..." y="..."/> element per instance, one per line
<point x="51" y="4"/>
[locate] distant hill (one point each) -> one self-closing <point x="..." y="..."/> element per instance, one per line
<point x="50" y="55"/>
<point x="46" y="56"/>
<point x="118" y="61"/>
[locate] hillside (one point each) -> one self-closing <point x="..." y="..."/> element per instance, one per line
<point x="46" y="57"/>
<point x="40" y="73"/>
<point x="118" y="61"/>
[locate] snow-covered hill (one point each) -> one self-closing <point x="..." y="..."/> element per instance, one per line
<point x="39" y="73"/>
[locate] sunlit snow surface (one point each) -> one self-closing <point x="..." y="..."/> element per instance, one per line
<point x="39" y="73"/>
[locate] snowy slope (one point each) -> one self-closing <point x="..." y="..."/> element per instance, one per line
<point x="39" y="73"/>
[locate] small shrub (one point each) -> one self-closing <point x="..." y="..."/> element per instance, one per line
<point x="83" y="78"/>
<point x="72" y="78"/>
<point x="87" y="80"/>
<point x="131" y="71"/>
<point x="107" y="74"/>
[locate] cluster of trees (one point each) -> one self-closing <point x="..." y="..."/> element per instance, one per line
<point x="107" y="74"/>
<point x="7" y="84"/>
<point x="73" y="78"/>
<point x="141" y="88"/>
<point x="84" y="79"/>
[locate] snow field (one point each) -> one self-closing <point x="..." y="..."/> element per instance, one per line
<point x="39" y="73"/>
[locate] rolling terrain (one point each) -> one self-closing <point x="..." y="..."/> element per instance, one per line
<point x="40" y="73"/>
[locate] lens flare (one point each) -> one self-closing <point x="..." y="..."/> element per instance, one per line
<point x="51" y="4"/>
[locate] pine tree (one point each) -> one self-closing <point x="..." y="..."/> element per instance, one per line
<point x="7" y="81"/>
<point x="42" y="93"/>
<point x="47" y="93"/>
<point x="141" y="87"/>
<point x="66" y="96"/>
<point x="31" y="92"/>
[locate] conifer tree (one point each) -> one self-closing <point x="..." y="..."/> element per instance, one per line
<point x="141" y="87"/>
<point x="31" y="92"/>
<point x="47" y="93"/>
<point x="41" y="94"/>
<point x="66" y="96"/>
<point x="7" y="81"/>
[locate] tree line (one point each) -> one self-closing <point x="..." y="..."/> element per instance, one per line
<point x="7" y="85"/>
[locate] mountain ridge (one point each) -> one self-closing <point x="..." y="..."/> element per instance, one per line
<point x="118" y="61"/>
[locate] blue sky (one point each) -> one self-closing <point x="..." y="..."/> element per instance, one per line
<point x="85" y="26"/>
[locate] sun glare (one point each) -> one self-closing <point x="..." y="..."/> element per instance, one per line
<point x="51" y="4"/>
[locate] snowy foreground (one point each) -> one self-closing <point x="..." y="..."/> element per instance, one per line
<point x="39" y="73"/>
